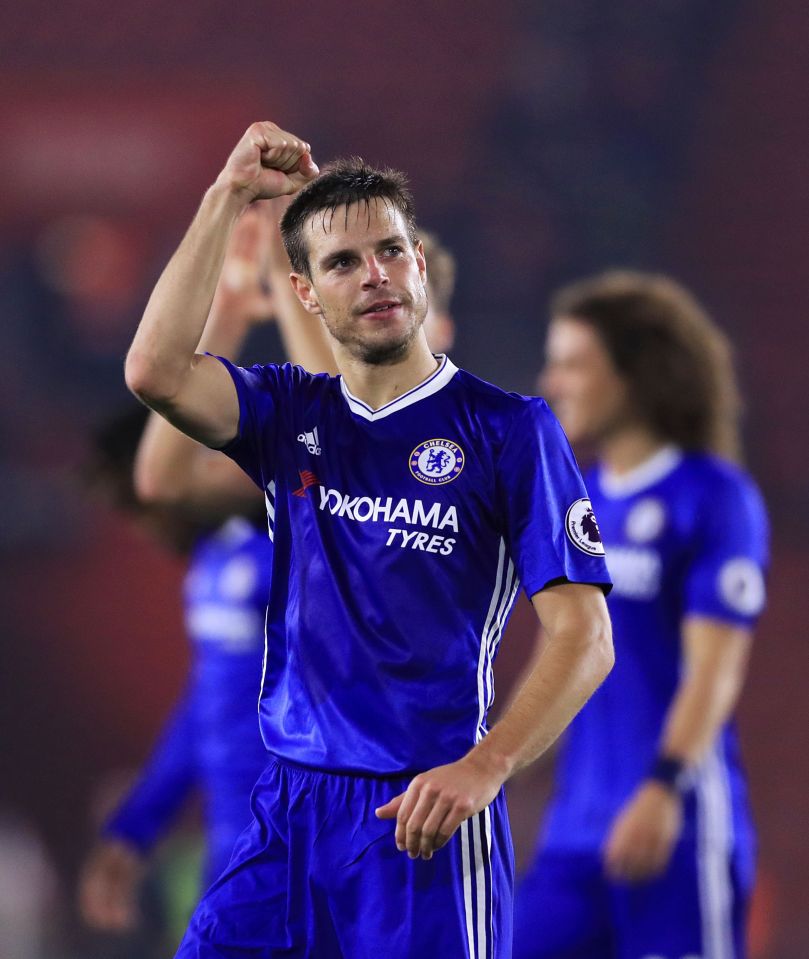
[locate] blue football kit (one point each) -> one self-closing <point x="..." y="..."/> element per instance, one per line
<point x="401" y="538"/>
<point x="685" y="535"/>
<point x="211" y="743"/>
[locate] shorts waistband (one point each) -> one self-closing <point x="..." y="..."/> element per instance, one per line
<point x="350" y="773"/>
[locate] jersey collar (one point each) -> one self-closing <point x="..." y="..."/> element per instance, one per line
<point x="434" y="382"/>
<point x="651" y="471"/>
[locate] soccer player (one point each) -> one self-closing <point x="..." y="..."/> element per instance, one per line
<point x="647" y="847"/>
<point x="408" y="501"/>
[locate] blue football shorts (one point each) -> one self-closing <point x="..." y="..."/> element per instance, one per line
<point x="316" y="874"/>
<point x="566" y="908"/>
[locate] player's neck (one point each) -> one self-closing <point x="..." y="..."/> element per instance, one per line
<point x="628" y="448"/>
<point x="377" y="385"/>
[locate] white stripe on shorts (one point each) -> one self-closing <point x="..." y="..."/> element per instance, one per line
<point x="714" y="843"/>
<point x="477" y="875"/>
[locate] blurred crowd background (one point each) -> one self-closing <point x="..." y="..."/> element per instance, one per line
<point x="544" y="140"/>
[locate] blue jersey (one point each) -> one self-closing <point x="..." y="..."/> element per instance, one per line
<point x="212" y="740"/>
<point x="685" y="534"/>
<point x="401" y="537"/>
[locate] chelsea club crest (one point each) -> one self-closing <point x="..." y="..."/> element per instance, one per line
<point x="436" y="462"/>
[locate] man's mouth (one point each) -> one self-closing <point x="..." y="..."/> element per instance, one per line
<point x="382" y="306"/>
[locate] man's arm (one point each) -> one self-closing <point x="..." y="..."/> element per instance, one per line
<point x="715" y="657"/>
<point x="195" y="392"/>
<point x="170" y="468"/>
<point x="576" y="658"/>
<point x="109" y="881"/>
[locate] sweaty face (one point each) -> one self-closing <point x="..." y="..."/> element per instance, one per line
<point x="367" y="280"/>
<point x="586" y="392"/>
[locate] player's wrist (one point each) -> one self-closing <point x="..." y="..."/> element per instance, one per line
<point x="670" y="772"/>
<point x="492" y="761"/>
<point x="225" y="191"/>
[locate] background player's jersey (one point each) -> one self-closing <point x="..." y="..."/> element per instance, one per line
<point x="212" y="741"/>
<point x="684" y="534"/>
<point x="401" y="538"/>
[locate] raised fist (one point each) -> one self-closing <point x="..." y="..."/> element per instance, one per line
<point x="268" y="162"/>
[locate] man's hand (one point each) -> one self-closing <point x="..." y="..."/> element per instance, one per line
<point x="244" y="297"/>
<point x="108" y="887"/>
<point x="644" y="834"/>
<point x="268" y="162"/>
<point x="437" y="802"/>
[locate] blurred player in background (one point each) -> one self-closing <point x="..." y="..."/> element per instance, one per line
<point x="647" y="848"/>
<point x="190" y="497"/>
<point x="406" y="508"/>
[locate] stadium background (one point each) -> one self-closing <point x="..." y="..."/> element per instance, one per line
<point x="544" y="141"/>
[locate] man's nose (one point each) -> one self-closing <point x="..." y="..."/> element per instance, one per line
<point x="375" y="274"/>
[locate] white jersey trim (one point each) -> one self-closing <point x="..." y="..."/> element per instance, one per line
<point x="435" y="382"/>
<point x="269" y="500"/>
<point x="651" y="471"/>
<point x="506" y="586"/>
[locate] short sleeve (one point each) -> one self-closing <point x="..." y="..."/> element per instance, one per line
<point x="550" y="529"/>
<point x="725" y="578"/>
<point x="258" y="389"/>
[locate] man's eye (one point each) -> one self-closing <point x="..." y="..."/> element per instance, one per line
<point x="394" y="250"/>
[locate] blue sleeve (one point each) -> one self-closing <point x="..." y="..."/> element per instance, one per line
<point x="165" y="782"/>
<point x="259" y="390"/>
<point x="551" y="532"/>
<point x="725" y="578"/>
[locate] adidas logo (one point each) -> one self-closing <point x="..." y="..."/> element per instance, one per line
<point x="311" y="441"/>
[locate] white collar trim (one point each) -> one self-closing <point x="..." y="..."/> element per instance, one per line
<point x="435" y="382"/>
<point x="651" y="471"/>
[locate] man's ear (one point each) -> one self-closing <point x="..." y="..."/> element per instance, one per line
<point x="305" y="292"/>
<point x="421" y="260"/>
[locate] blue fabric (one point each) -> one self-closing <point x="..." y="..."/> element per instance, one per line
<point x="566" y="908"/>
<point x="212" y="741"/>
<point x="164" y="784"/>
<point x="400" y="538"/>
<point x="317" y="875"/>
<point x="691" y="540"/>
<point x="694" y="542"/>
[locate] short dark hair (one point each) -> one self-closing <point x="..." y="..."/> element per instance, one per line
<point x="341" y="183"/>
<point x="677" y="362"/>
<point x="440" y="270"/>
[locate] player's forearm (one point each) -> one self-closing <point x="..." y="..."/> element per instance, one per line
<point x="168" y="462"/>
<point x="164" y="462"/>
<point x="570" y="668"/>
<point x="305" y="341"/>
<point x="163" y="348"/>
<point x="704" y="702"/>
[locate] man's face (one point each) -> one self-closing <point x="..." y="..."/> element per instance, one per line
<point x="586" y="392"/>
<point x="367" y="280"/>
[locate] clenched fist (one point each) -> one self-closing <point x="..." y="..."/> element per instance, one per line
<point x="642" y="838"/>
<point x="268" y="162"/>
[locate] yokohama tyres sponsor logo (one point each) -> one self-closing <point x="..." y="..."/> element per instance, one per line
<point x="378" y="509"/>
